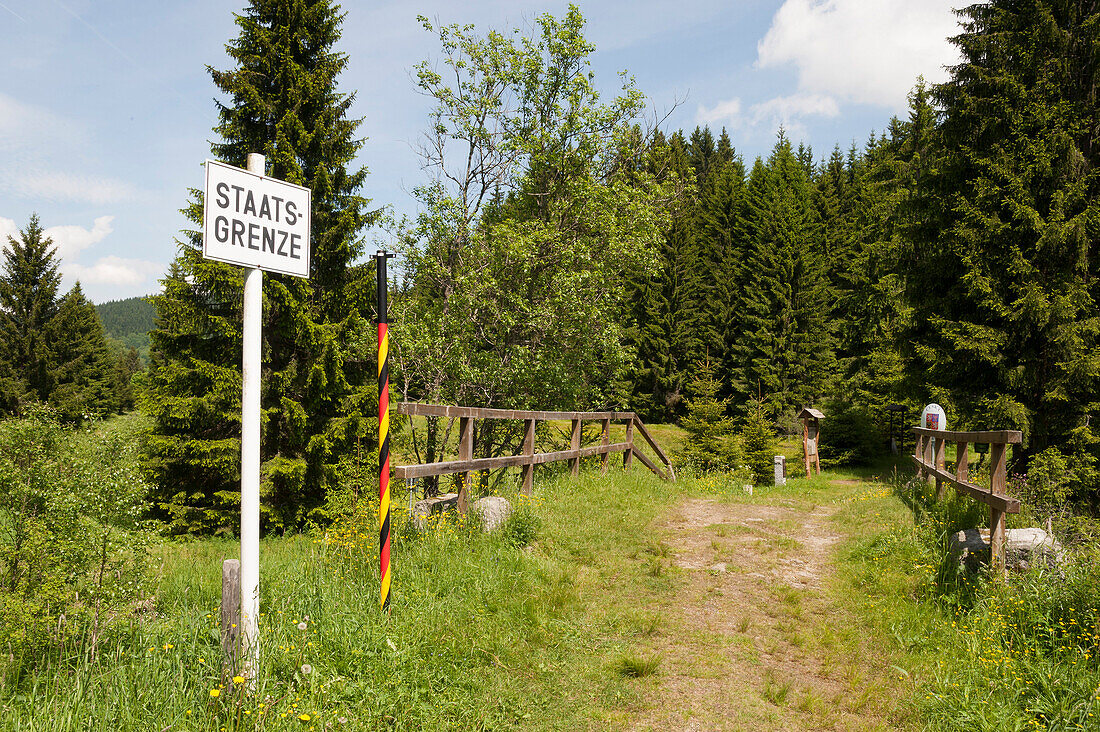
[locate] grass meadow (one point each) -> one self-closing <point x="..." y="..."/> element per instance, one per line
<point x="539" y="626"/>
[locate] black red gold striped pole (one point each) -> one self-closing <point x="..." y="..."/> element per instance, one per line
<point x="383" y="431"/>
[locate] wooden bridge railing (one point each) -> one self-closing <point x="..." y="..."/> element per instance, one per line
<point x="468" y="464"/>
<point x="929" y="461"/>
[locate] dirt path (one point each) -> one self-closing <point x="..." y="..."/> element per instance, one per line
<point x="755" y="639"/>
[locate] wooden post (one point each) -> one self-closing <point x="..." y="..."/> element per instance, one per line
<point x="941" y="449"/>
<point x="605" y="442"/>
<point x="231" y="613"/>
<point x="628" y="456"/>
<point x="529" y="451"/>
<point x="962" y="461"/>
<point x="465" y="452"/>
<point x="575" y="444"/>
<point x="928" y="456"/>
<point x="918" y="452"/>
<point x="998" y="472"/>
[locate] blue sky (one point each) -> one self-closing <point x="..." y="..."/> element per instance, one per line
<point x="106" y="108"/>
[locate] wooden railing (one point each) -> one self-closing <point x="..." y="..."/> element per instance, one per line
<point x="468" y="464"/>
<point x="929" y="461"/>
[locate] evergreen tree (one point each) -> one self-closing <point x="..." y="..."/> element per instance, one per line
<point x="709" y="429"/>
<point x="28" y="302"/>
<point x="758" y="442"/>
<point x="127" y="364"/>
<point x="1002" y="275"/>
<point x="784" y="348"/>
<point x="81" y="370"/>
<point x="318" y="368"/>
<point x="663" y="333"/>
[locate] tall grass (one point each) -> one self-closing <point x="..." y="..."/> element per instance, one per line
<point x="485" y="631"/>
<point x="984" y="653"/>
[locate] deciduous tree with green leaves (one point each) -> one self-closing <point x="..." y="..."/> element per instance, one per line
<point x="536" y="207"/>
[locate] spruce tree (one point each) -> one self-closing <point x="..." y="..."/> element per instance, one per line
<point x="28" y="302"/>
<point x="81" y="370"/>
<point x="663" y="333"/>
<point x="1002" y="276"/>
<point x="318" y="366"/>
<point x="709" y="429"/>
<point x="783" y="348"/>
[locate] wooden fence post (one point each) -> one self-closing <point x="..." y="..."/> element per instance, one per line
<point x="529" y="451"/>
<point x="465" y="452"/>
<point x="962" y="461"/>
<point x="575" y="444"/>
<point x="231" y="612"/>
<point x="941" y="450"/>
<point x="628" y="456"/>
<point x="605" y="442"/>
<point x="918" y="454"/>
<point x="997" y="474"/>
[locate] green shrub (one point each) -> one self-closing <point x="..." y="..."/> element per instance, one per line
<point x="71" y="548"/>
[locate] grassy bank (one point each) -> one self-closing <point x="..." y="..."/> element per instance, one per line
<point x="485" y="633"/>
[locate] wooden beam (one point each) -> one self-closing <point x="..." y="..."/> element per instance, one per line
<point x="649" y="464"/>
<point x="1012" y="437"/>
<point x="416" y="409"/>
<point x="411" y="472"/>
<point x="656" y="448"/>
<point x="1003" y="503"/>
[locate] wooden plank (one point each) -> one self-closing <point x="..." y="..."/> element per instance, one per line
<point x="529" y="451"/>
<point x="989" y="437"/>
<point x="411" y="472"/>
<point x="417" y="409"/>
<point x="656" y="448"/>
<point x="649" y="464"/>
<point x="1004" y="503"/>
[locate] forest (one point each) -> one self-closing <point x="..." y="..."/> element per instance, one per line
<point x="565" y="257"/>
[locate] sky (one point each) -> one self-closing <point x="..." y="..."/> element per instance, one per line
<point x="107" y="107"/>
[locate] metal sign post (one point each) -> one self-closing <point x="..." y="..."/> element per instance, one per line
<point x="262" y="224"/>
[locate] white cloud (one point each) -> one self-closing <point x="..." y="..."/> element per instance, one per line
<point x="71" y="187"/>
<point x="865" y="51"/>
<point x="728" y="111"/>
<point x="22" y="124"/>
<point x="112" y="270"/>
<point x="786" y="111"/>
<point x="71" y="239"/>
<point x="7" y="228"/>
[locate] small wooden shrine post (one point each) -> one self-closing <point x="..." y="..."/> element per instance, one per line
<point x="811" y="427"/>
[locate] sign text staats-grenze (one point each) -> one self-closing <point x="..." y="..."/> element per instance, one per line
<point x="255" y="221"/>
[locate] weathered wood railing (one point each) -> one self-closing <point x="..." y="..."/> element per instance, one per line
<point x="468" y="464"/>
<point x="929" y="460"/>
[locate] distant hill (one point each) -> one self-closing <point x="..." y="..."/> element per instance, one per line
<point x="127" y="323"/>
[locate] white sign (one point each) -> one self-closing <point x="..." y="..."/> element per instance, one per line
<point x="933" y="418"/>
<point x="255" y="221"/>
